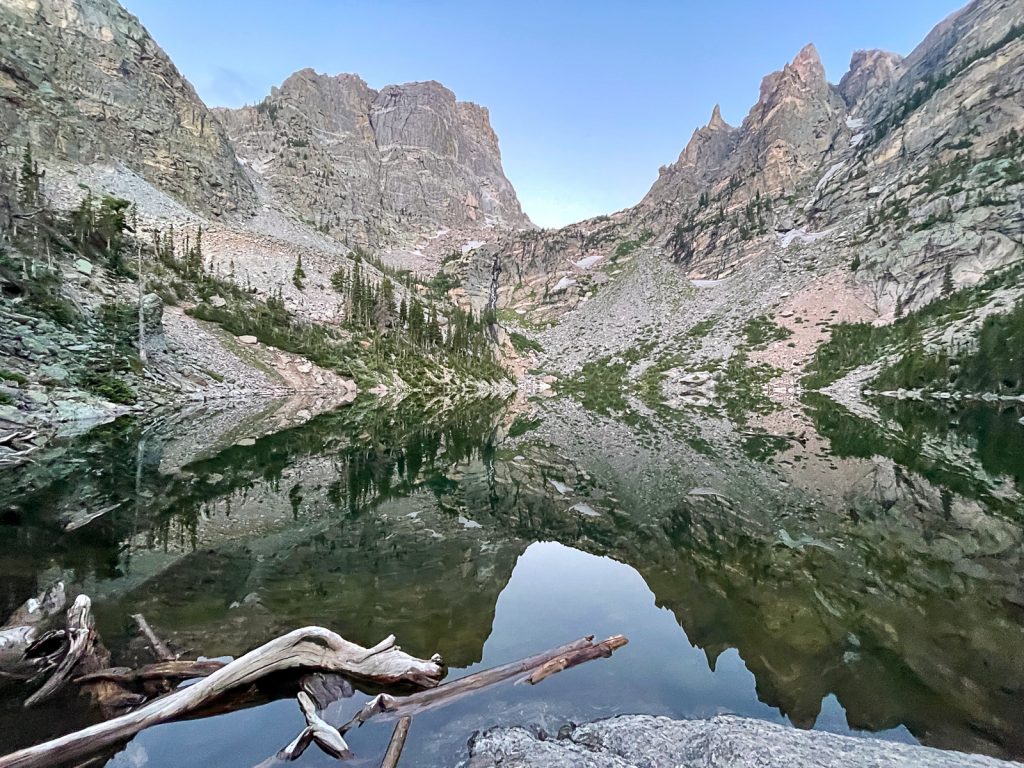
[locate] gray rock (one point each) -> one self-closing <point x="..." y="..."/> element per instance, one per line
<point x="93" y="86"/>
<point x="84" y="266"/>
<point x="152" y="314"/>
<point x="35" y="346"/>
<point x="11" y="414"/>
<point x="643" y="741"/>
<point x="406" y="158"/>
<point x="54" y="372"/>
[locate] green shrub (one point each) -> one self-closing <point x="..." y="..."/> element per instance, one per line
<point x="524" y="344"/>
<point x="108" y="387"/>
<point x="762" y="330"/>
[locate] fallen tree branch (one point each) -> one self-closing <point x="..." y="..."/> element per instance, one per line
<point x="551" y="662"/>
<point x="174" y="670"/>
<point x="307" y="648"/>
<point x="397" y="742"/>
<point x="162" y="652"/>
<point x="317" y="731"/>
<point x="27" y="652"/>
<point x="604" y="649"/>
<point x="80" y="635"/>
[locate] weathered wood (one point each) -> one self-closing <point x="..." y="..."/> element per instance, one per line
<point x="317" y="731"/>
<point x="307" y="648"/>
<point x="162" y="652"/>
<point x="80" y="636"/>
<point x="397" y="743"/>
<point x="390" y="706"/>
<point x="176" y="670"/>
<point x="25" y="627"/>
<point x="604" y="649"/>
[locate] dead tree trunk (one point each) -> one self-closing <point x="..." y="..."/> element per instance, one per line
<point x="308" y="648"/>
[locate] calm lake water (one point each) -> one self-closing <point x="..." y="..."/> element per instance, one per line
<point x="865" y="578"/>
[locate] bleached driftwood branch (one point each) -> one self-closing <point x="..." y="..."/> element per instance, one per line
<point x="313" y="648"/>
<point x="530" y="670"/>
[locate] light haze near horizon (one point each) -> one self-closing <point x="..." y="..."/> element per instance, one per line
<point x="588" y="98"/>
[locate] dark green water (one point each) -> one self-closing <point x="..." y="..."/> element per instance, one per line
<point x="865" y="581"/>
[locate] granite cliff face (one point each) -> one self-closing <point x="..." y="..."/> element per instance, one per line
<point x="83" y="82"/>
<point x="908" y="171"/>
<point x="366" y="166"/>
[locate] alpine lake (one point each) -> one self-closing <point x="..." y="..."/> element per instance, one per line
<point x="852" y="574"/>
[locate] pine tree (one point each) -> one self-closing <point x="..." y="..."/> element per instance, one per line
<point x="947" y="281"/>
<point x="29" y="183"/>
<point x="299" y="274"/>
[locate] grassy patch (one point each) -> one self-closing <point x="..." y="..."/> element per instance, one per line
<point x="524" y="344"/>
<point x="109" y="387"/>
<point x="701" y="329"/>
<point x="522" y="425"/>
<point x="627" y="247"/>
<point x="743" y="388"/>
<point x="6" y="375"/>
<point x="761" y="331"/>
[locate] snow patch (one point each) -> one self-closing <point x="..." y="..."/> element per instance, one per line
<point x="472" y="245"/>
<point x="563" y="284"/>
<point x="588" y="262"/>
<point x="562" y="488"/>
<point x="803" y="236"/>
<point x="854" y="123"/>
<point x="586" y="510"/>
<point x="707" y="283"/>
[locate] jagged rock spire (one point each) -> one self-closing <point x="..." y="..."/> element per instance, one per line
<point x="808" y="64"/>
<point x="716" y="121"/>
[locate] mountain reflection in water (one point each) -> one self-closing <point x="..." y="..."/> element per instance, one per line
<point x="891" y="604"/>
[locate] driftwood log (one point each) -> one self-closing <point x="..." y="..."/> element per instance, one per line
<point x="80" y="636"/>
<point x="397" y="743"/>
<point x="25" y="627"/>
<point x="543" y="665"/>
<point x="312" y="648"/>
<point x="318" y="731"/>
<point x="160" y="649"/>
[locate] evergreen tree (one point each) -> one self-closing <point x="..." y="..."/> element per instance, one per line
<point x="947" y="281"/>
<point x="30" y="182"/>
<point x="299" y="274"/>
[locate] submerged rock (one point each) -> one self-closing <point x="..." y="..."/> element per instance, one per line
<point x="630" y="741"/>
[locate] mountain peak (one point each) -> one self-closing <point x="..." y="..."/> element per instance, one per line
<point x="716" y="122"/>
<point x="807" y="64"/>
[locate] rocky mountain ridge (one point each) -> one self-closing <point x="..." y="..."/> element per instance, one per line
<point x="909" y="168"/>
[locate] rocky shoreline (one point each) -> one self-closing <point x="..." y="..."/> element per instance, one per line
<point x="725" y="741"/>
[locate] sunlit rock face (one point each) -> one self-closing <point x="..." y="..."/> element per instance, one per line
<point x="366" y="166"/>
<point x="908" y="164"/>
<point x="83" y="82"/>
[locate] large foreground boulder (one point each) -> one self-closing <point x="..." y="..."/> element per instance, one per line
<point x="643" y="741"/>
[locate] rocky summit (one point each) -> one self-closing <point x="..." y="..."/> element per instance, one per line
<point x="365" y="165"/>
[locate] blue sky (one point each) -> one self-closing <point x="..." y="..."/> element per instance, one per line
<point x="588" y="98"/>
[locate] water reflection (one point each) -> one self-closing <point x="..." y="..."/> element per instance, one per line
<point x="894" y="608"/>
